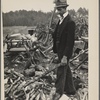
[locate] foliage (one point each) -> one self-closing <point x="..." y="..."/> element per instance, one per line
<point x="81" y="20"/>
<point x="31" y="18"/>
<point x="39" y="18"/>
<point x="30" y="75"/>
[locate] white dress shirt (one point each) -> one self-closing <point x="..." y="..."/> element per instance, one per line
<point x="62" y="18"/>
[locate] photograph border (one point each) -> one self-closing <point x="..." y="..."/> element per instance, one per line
<point x="93" y="49"/>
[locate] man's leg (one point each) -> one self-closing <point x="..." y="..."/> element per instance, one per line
<point x="69" y="84"/>
<point x="61" y="76"/>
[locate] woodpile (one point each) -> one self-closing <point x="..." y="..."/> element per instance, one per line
<point x="37" y="79"/>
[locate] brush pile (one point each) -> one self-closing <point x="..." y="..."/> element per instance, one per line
<point x="31" y="75"/>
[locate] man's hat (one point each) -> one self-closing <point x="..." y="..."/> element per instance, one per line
<point x="31" y="30"/>
<point x="60" y="3"/>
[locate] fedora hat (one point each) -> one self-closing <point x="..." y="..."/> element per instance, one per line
<point x="60" y="3"/>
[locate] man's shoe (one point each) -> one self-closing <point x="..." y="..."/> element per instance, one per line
<point x="64" y="97"/>
<point x="76" y="96"/>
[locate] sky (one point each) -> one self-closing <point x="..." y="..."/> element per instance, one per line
<point x="43" y="5"/>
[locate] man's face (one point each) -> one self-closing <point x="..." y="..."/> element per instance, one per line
<point x="61" y="10"/>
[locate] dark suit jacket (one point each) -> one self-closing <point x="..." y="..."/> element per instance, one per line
<point x="66" y="32"/>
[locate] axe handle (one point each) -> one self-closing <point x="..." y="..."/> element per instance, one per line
<point x="50" y="26"/>
<point x="52" y="18"/>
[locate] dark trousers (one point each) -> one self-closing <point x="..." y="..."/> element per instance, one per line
<point x="64" y="83"/>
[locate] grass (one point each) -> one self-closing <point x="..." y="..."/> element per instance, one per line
<point x="15" y="29"/>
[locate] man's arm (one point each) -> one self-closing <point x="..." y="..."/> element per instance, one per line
<point x="70" y="40"/>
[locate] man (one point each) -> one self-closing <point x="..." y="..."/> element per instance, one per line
<point x="32" y="35"/>
<point x="63" y="42"/>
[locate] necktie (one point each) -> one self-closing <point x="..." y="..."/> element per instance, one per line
<point x="61" y="19"/>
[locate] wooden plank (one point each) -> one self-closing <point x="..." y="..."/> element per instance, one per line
<point x="17" y="49"/>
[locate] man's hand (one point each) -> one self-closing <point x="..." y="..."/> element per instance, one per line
<point x="55" y="60"/>
<point x="64" y="60"/>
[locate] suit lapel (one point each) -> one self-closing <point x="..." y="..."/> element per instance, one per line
<point x="63" y="24"/>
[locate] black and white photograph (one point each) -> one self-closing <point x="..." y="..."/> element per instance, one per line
<point x="45" y="49"/>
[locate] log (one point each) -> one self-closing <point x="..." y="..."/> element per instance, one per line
<point x="29" y="72"/>
<point x="58" y="65"/>
<point x="81" y="63"/>
<point x="21" y="76"/>
<point x="78" y="55"/>
<point x="13" y="85"/>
